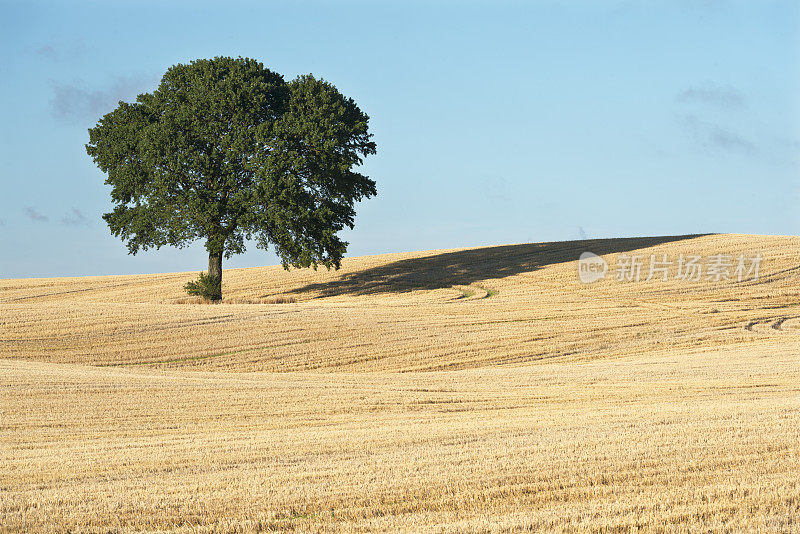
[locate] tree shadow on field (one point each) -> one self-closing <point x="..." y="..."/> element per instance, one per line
<point x="468" y="266"/>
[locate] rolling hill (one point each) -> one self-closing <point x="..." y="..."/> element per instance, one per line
<point x="436" y="310"/>
<point x="480" y="389"/>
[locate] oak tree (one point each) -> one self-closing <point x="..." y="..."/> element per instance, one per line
<point x="227" y="151"/>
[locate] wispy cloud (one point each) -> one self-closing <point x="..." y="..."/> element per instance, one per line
<point x="61" y="50"/>
<point x="47" y="51"/>
<point x="35" y="216"/>
<point x="75" y="102"/>
<point x="722" y="97"/>
<point x="711" y="135"/>
<point x="727" y="140"/>
<point x="74" y="218"/>
<point x="697" y="103"/>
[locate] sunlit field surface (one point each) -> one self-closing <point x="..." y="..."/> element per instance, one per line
<point x="456" y="390"/>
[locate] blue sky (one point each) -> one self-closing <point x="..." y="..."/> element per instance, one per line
<point x="496" y="122"/>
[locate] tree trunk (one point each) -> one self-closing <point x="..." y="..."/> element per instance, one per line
<point x="215" y="272"/>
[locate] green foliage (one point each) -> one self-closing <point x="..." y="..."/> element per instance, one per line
<point x="225" y="150"/>
<point x="208" y="287"/>
<point x="466" y="293"/>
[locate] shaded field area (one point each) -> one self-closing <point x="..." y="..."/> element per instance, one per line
<point x="471" y="390"/>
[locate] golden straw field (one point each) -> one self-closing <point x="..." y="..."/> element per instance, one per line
<point x="467" y="390"/>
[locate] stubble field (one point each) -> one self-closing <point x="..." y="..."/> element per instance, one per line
<point x="461" y="390"/>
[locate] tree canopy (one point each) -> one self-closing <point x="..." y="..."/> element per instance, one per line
<point x="227" y="151"/>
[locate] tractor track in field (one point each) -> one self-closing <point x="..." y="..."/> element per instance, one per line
<point x="770" y="324"/>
